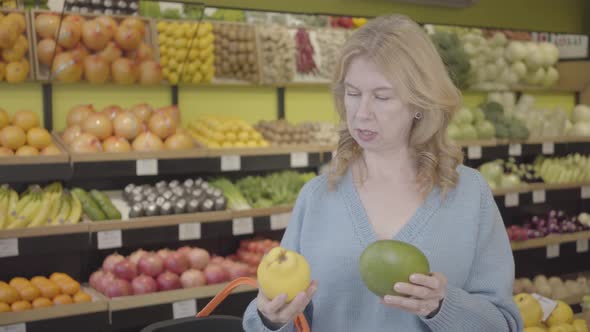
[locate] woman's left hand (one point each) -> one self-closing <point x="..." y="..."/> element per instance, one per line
<point x="425" y="294"/>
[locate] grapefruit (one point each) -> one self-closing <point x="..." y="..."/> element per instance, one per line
<point x="387" y="262"/>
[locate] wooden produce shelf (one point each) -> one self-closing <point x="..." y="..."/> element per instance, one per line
<point x="550" y="240"/>
<point x="15" y="169"/>
<point x="44" y="240"/>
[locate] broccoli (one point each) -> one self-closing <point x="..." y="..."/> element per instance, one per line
<point x="453" y="55"/>
<point x="493" y="111"/>
<point x="502" y="130"/>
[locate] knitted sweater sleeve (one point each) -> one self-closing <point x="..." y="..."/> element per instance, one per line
<point x="485" y="302"/>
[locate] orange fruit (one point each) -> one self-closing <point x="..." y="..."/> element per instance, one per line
<point x="19" y="282"/>
<point x="57" y="276"/>
<point x="69" y="287"/>
<point x="4" y="307"/>
<point x="30" y="293"/>
<point x="8" y="294"/>
<point x="38" y="279"/>
<point x="2" y="283"/>
<point x="49" y="289"/>
<point x="42" y="302"/>
<point x="62" y="299"/>
<point x="21" y="306"/>
<point x="82" y="297"/>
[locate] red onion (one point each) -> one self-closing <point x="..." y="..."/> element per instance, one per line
<point x="168" y="281"/>
<point x="109" y="263"/>
<point x="151" y="265"/>
<point x="136" y="256"/>
<point x="237" y="270"/>
<point x="125" y="270"/>
<point x="176" y="262"/>
<point x="144" y="284"/>
<point x="106" y="280"/>
<point x="193" y="278"/>
<point x="95" y="278"/>
<point x="163" y="253"/>
<point x="216" y="260"/>
<point x="118" y="287"/>
<point x="184" y="250"/>
<point x="198" y="258"/>
<point x="215" y="274"/>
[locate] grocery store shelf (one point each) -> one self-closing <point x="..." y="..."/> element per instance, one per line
<point x="528" y="188"/>
<point x="91" y="316"/>
<point x="550" y="240"/>
<point x="44" y="231"/>
<point x="199" y="160"/>
<point x="34" y="168"/>
<point x="45" y="240"/>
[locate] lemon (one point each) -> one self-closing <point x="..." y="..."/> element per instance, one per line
<point x="226" y="145"/>
<point x="166" y="72"/>
<point x="163" y="61"/>
<point x="178" y="33"/>
<point x="251" y="144"/>
<point x="206" y="53"/>
<point x="243" y="136"/>
<point x="240" y="144"/>
<point x="209" y="76"/>
<point x="231" y="136"/>
<point x="262" y="143"/>
<point x="162" y="26"/>
<point x="162" y="40"/>
<point x="172" y="64"/>
<point x="181" y="55"/>
<point x="173" y="78"/>
<point x="214" y="145"/>
<point x="185" y="78"/>
<point x="171" y="28"/>
<point x="181" y="43"/>
<point x="197" y="78"/>
<point x="163" y="50"/>
<point x="191" y="68"/>
<point x="185" y="27"/>
<point x="171" y="52"/>
<point x="193" y="54"/>
<point x="191" y="32"/>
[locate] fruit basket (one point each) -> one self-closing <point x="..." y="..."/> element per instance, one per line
<point x="98" y="54"/>
<point x="187" y="47"/>
<point x="23" y="71"/>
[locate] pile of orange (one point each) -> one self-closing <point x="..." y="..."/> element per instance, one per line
<point x="23" y="294"/>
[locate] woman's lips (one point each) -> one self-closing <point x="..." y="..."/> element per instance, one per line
<point x="366" y="135"/>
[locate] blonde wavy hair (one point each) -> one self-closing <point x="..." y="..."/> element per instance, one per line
<point x="405" y="54"/>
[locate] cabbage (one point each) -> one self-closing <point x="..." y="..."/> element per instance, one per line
<point x="491" y="171"/>
<point x="491" y="72"/>
<point x="453" y="132"/>
<point x="534" y="58"/>
<point x="581" y="113"/>
<point x="581" y="129"/>
<point x="478" y="115"/>
<point x="535" y="77"/>
<point x="516" y="51"/>
<point x="467" y="132"/>
<point x="499" y="39"/>
<point x="463" y="116"/>
<point x="551" y="77"/>
<point x="485" y="130"/>
<point x="550" y="53"/>
<point x="509" y="180"/>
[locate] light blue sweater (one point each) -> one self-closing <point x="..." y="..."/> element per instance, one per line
<point x="462" y="236"/>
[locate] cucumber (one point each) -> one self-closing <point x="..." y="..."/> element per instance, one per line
<point x="90" y="208"/>
<point x="105" y="204"/>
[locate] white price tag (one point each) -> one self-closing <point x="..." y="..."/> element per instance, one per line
<point x="474" y="152"/>
<point x="231" y="163"/>
<point x="585" y="192"/>
<point x="8" y="247"/>
<point x="182" y="309"/>
<point x="511" y="200"/>
<point x="515" y="150"/>
<point x="553" y="251"/>
<point x="539" y="196"/>
<point x="22" y="327"/>
<point x="299" y="159"/>
<point x="547" y="305"/>
<point x="146" y="167"/>
<point x="279" y="221"/>
<point x="242" y="226"/>
<point x="110" y="239"/>
<point x="189" y="231"/>
<point x="582" y="245"/>
<point x="548" y="148"/>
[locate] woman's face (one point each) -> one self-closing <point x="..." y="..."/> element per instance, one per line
<point x="377" y="119"/>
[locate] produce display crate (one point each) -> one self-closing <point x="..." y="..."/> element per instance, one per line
<point x="43" y="73"/>
<point x="309" y="78"/>
<point x="260" y="55"/>
<point x="29" y="34"/>
<point x="45" y="319"/>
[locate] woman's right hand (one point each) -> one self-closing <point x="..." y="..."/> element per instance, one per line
<point x="278" y="313"/>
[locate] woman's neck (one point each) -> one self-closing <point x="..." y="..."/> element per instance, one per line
<point x="397" y="166"/>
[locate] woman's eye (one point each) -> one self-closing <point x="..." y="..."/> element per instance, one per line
<point x="381" y="98"/>
<point x="353" y="93"/>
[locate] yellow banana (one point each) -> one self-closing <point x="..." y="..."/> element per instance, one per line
<point x="64" y="210"/>
<point x="4" y="198"/>
<point x="42" y="214"/>
<point x="56" y="195"/>
<point x="11" y="205"/>
<point x="76" y="210"/>
<point x="23" y="218"/>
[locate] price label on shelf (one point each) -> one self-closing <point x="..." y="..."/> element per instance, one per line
<point x="189" y="231"/>
<point x="474" y="152"/>
<point x="8" y="247"/>
<point x="515" y="150"/>
<point x="539" y="196"/>
<point x="279" y="221"/>
<point x="231" y="163"/>
<point x="511" y="200"/>
<point x="22" y="327"/>
<point x="553" y="251"/>
<point x="146" y="167"/>
<point x="548" y="148"/>
<point x="241" y="226"/>
<point x="547" y="305"/>
<point x="110" y="239"/>
<point x="182" y="309"/>
<point x="299" y="159"/>
<point x="582" y="245"/>
<point x="585" y="192"/>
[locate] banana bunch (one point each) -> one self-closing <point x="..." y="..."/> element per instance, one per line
<point x="38" y="206"/>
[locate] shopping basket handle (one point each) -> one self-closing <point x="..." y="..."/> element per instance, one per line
<point x="300" y="322"/>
